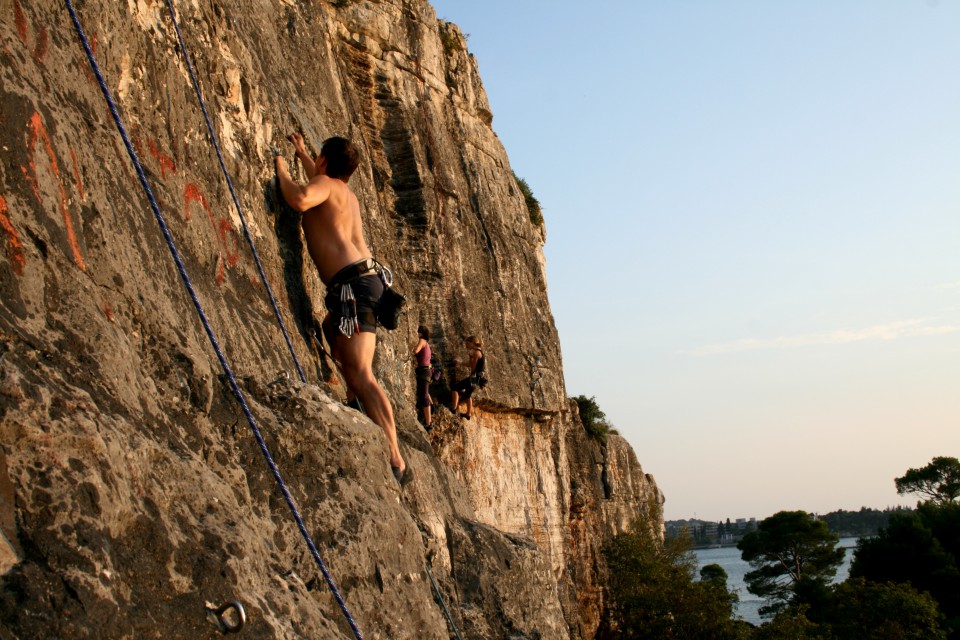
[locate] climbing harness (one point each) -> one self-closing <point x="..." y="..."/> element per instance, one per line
<point x="443" y="604"/>
<point x="233" y="192"/>
<point x="388" y="307"/>
<point x="341" y="286"/>
<point x="181" y="268"/>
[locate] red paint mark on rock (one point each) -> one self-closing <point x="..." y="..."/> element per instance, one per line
<point x="39" y="132"/>
<point x="87" y="70"/>
<point x="30" y="174"/>
<point x="20" y="20"/>
<point x="222" y="230"/>
<point x="227" y="231"/>
<point x="76" y="175"/>
<point x="134" y="141"/>
<point x="166" y="162"/>
<point x="43" y="43"/>
<point x="14" y="246"/>
<point x="107" y="311"/>
<point x="193" y="194"/>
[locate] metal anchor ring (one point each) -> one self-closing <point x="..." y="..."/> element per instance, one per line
<point x="226" y="626"/>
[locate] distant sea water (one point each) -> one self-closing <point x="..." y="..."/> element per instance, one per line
<point x="729" y="558"/>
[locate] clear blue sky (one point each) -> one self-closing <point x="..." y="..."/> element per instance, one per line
<point x="753" y="232"/>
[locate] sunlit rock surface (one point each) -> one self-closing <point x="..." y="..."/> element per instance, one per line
<point x="133" y="495"/>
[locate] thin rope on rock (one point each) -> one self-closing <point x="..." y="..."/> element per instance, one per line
<point x="442" y="603"/>
<point x="233" y="192"/>
<point x="234" y="386"/>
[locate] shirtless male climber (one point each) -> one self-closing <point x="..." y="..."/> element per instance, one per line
<point x="334" y="236"/>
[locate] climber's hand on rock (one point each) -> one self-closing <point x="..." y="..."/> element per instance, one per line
<point x="297" y="141"/>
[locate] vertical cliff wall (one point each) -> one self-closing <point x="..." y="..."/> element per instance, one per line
<point x="132" y="494"/>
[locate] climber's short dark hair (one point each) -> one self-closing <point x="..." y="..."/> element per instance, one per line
<point x="342" y="157"/>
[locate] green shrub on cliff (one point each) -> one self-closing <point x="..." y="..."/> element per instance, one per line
<point x="594" y="420"/>
<point x="451" y="43"/>
<point x="533" y="205"/>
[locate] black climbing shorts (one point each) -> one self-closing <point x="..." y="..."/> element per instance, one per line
<point x="423" y="387"/>
<point x="465" y="388"/>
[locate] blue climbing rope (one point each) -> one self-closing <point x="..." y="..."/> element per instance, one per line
<point x="442" y="603"/>
<point x="233" y="193"/>
<point x="234" y="386"/>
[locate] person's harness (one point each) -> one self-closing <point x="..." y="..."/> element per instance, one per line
<point x="344" y="279"/>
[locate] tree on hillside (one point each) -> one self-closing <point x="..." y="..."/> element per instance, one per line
<point x="790" y="623"/>
<point x="858" y="608"/>
<point x="938" y="481"/>
<point x="652" y="592"/>
<point x="880" y="610"/>
<point x="714" y="574"/>
<point x="793" y="555"/>
<point x="863" y="523"/>
<point x="921" y="548"/>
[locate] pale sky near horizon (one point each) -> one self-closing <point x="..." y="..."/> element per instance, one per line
<point x="753" y="232"/>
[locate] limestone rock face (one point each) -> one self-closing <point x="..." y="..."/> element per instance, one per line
<point x="133" y="494"/>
